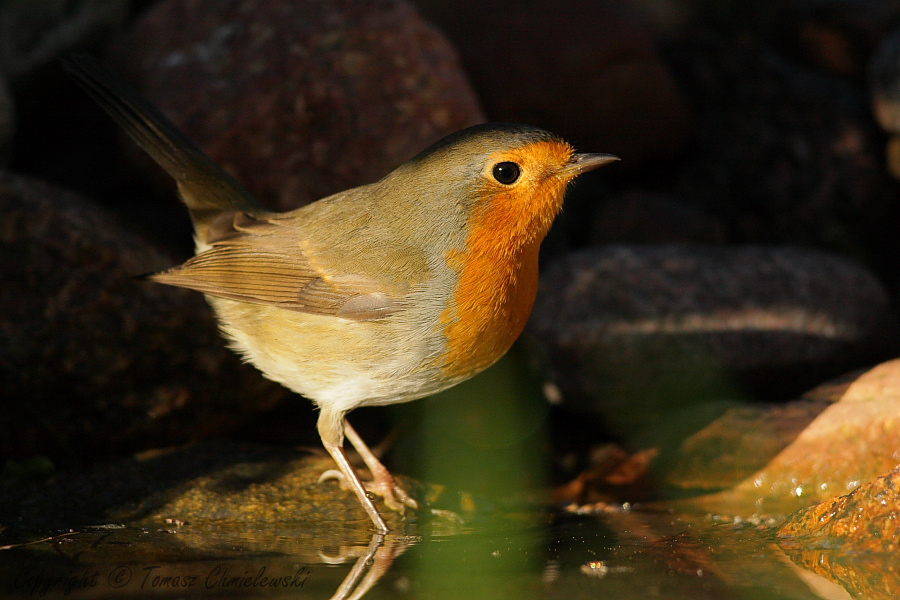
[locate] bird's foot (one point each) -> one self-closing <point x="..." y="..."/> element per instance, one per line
<point x="386" y="487"/>
<point x="395" y="497"/>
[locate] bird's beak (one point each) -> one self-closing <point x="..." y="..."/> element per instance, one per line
<point x="581" y="163"/>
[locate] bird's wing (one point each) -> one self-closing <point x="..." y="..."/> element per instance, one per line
<point x="257" y="259"/>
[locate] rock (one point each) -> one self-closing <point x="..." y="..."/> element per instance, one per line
<point x="833" y="35"/>
<point x="210" y="481"/>
<point x="635" y="333"/>
<point x="203" y="516"/>
<point x="868" y="576"/>
<point x="293" y="97"/>
<point x="851" y="540"/>
<point x="591" y="76"/>
<point x="782" y="458"/>
<point x="884" y="81"/>
<point x="718" y="445"/>
<point x="884" y="84"/>
<point x="666" y="19"/>
<point x="7" y="121"/>
<point x="743" y="458"/>
<point x="840" y="35"/>
<point x="35" y="34"/>
<point x="784" y="154"/>
<point x="219" y="515"/>
<point x="224" y="483"/>
<point x="867" y="520"/>
<point x="93" y="361"/>
<point x="852" y="441"/>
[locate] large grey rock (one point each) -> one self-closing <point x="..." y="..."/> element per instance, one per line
<point x="637" y="331"/>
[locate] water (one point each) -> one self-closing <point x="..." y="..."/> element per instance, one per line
<point x="621" y="554"/>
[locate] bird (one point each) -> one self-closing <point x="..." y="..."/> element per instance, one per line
<point x="379" y="294"/>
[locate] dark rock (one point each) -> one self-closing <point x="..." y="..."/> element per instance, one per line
<point x="832" y="35"/>
<point x="93" y="361"/>
<point x="300" y="99"/>
<point x="666" y="19"/>
<point x="35" y="34"/>
<point x="884" y="80"/>
<point x="784" y="154"/>
<point x="637" y="332"/>
<point x="589" y="73"/>
<point x="884" y="83"/>
<point x="839" y="36"/>
<point x="7" y="121"/>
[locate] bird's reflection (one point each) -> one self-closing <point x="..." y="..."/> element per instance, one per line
<point x="370" y="566"/>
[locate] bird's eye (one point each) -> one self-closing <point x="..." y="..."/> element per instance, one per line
<point x="506" y="172"/>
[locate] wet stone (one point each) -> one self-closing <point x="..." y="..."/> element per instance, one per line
<point x="719" y="445"/>
<point x="850" y="442"/>
<point x="829" y="442"/>
<point x="865" y="520"/>
<point x="211" y="516"/>
<point x="851" y="540"/>
<point x="219" y="483"/>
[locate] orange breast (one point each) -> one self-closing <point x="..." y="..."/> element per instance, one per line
<point x="493" y="304"/>
<point x="497" y="286"/>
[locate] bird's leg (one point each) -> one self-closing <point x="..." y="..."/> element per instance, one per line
<point x="331" y="430"/>
<point x="383" y="483"/>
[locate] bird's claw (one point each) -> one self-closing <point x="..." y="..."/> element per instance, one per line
<point x="394" y="496"/>
<point x="334" y="474"/>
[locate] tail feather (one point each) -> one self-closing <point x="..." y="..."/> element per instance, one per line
<point x="206" y="189"/>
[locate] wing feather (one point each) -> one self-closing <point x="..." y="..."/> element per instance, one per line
<point x="254" y="260"/>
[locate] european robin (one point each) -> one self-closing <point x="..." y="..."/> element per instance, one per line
<point x="383" y="293"/>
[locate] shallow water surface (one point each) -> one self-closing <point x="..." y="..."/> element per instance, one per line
<point x="623" y="554"/>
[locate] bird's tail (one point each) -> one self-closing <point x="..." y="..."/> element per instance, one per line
<point x="207" y="190"/>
